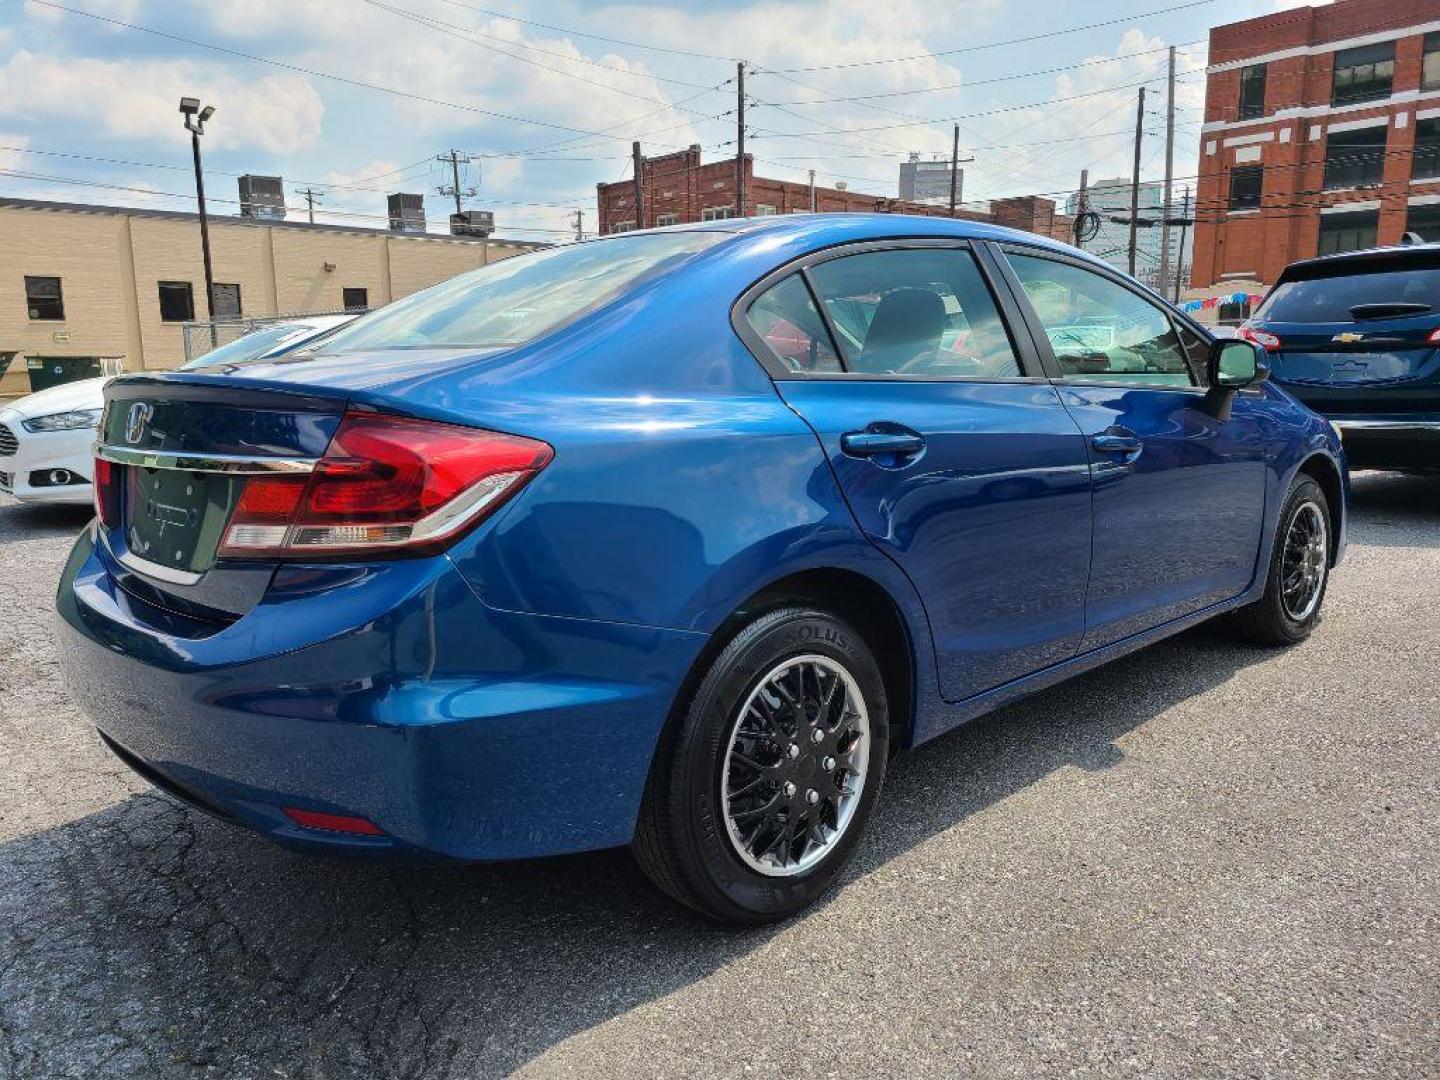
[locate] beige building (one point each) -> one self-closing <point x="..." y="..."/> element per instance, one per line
<point x="86" y="289"/>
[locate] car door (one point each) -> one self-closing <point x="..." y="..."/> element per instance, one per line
<point x="952" y="448"/>
<point x="1179" y="493"/>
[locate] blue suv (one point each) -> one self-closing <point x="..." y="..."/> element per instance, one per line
<point x="672" y="539"/>
<point x="1357" y="338"/>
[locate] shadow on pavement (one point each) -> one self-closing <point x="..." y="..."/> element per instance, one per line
<point x="33" y="521"/>
<point x="148" y="939"/>
<point x="1395" y="509"/>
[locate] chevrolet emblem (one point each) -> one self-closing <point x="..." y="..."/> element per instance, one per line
<point x="1348" y="338"/>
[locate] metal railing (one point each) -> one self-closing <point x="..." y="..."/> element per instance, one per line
<point x="203" y="335"/>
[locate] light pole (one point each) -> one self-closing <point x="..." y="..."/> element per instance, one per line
<point x="195" y="118"/>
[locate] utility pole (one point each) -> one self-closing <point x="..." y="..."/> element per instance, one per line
<point x="957" y="178"/>
<point x="1185" y="220"/>
<point x="1135" y="182"/>
<point x="812" y="191"/>
<point x="1169" y="175"/>
<point x="1082" y="204"/>
<point x="579" y="224"/>
<point x="311" y="197"/>
<point x="639" y="163"/>
<point x="455" y="159"/>
<point x="740" y="139"/>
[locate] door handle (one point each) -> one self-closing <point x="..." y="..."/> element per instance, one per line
<point x="875" y="443"/>
<point x="1124" y="443"/>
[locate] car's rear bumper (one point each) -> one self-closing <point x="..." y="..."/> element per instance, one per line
<point x="388" y="693"/>
<point x="1390" y="441"/>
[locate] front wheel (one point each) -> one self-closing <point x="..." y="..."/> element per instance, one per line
<point x="1299" y="571"/>
<point x="757" y="801"/>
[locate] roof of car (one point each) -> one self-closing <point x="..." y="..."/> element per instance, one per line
<point x="1374" y="260"/>
<point x="840" y="228"/>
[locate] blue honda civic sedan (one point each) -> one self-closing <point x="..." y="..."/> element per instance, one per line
<point x="672" y="539"/>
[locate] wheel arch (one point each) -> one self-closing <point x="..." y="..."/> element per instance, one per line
<point x="1323" y="470"/>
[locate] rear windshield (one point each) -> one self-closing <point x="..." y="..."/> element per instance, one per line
<point x="520" y="298"/>
<point x="1329" y="299"/>
<point x="253" y="346"/>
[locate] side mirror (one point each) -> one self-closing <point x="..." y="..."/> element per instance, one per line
<point x="1233" y="365"/>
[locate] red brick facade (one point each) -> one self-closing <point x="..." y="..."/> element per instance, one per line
<point x="1237" y="242"/>
<point x="679" y="189"/>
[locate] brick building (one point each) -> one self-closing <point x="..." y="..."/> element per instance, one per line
<point x="680" y="189"/>
<point x="1321" y="134"/>
<point x="86" y="289"/>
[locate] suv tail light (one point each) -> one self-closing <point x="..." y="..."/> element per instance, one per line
<point x="385" y="484"/>
<point x="1270" y="341"/>
<point x="1434" y="338"/>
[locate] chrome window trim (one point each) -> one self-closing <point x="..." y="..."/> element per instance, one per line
<point x="234" y="464"/>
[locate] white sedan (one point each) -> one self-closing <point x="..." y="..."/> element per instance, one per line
<point x="46" y="439"/>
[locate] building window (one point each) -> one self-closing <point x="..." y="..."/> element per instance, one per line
<point x="1430" y="63"/>
<point x="1355" y="158"/>
<point x="717" y="213"/>
<point x="227" y="301"/>
<point x="623" y="226"/>
<point x="1426" y="161"/>
<point x="43" y="299"/>
<point x="667" y="219"/>
<point x="1424" y="221"/>
<point x="1246" y="183"/>
<point x="177" y="301"/>
<point x="1252" y="92"/>
<point x="764" y="209"/>
<point x="355" y="299"/>
<point x="1363" y="74"/>
<point x="1349" y="231"/>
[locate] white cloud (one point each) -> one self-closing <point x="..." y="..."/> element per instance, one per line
<point x="277" y="113"/>
<point x="126" y="10"/>
<point x="12" y="149"/>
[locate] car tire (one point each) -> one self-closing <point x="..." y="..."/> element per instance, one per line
<point x="794" y="691"/>
<point x="1281" y="617"/>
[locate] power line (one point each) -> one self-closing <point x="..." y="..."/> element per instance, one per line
<point x="998" y="44"/>
<point x="592" y="37"/>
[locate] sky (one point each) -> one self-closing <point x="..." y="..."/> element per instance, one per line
<point x="356" y="98"/>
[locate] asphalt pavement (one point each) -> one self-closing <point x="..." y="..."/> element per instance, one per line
<point x="1204" y="860"/>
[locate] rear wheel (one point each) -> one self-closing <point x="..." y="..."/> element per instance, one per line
<point x="1299" y="571"/>
<point x="759" y="798"/>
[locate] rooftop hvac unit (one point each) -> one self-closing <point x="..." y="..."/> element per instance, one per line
<point x="472" y="223"/>
<point x="262" y="197"/>
<point x="407" y="213"/>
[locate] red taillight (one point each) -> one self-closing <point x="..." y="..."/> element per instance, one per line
<point x="1270" y="342"/>
<point x="385" y="483"/>
<point x="107" y="493"/>
<point x="1434" y="338"/>
<point x="341" y="823"/>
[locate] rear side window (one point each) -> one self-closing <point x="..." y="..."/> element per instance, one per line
<point x="787" y="321"/>
<point x="523" y="297"/>
<point x="1098" y="329"/>
<point x="1396" y="293"/>
<point x="922" y="311"/>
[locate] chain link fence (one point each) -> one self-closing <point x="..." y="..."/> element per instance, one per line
<point x="203" y="335"/>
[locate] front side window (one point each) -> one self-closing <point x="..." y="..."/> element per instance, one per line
<point x="1252" y="92"/>
<point x="43" y="299"/>
<point x="1355" y="158"/>
<point x="788" y="322"/>
<point x="177" y="301"/>
<point x="518" y="299"/>
<point x="1246" y="185"/>
<point x="1363" y="74"/>
<point x="1352" y="231"/>
<point x="1098" y="329"/>
<point x="915" y="312"/>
